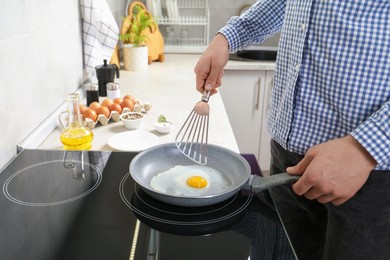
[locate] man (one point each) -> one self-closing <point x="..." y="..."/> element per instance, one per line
<point x="329" y="119"/>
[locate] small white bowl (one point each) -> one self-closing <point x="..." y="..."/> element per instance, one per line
<point x="132" y="120"/>
<point x="163" y="128"/>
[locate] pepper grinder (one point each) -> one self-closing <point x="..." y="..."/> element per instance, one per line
<point x="105" y="74"/>
<point x="92" y="91"/>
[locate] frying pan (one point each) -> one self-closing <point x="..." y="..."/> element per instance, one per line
<point x="160" y="158"/>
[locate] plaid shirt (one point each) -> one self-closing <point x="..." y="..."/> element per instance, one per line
<point x="333" y="70"/>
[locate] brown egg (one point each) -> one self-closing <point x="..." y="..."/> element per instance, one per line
<point x="83" y="108"/>
<point x="115" y="107"/>
<point x="94" y="105"/>
<point x="91" y="114"/>
<point x="118" y="100"/>
<point x="127" y="103"/>
<point x="107" y="102"/>
<point x="103" y="110"/>
<point x="129" y="97"/>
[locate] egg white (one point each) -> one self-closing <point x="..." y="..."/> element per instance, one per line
<point x="174" y="181"/>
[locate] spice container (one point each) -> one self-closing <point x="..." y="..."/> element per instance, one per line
<point x="92" y="91"/>
<point x="132" y="120"/>
<point x="113" y="90"/>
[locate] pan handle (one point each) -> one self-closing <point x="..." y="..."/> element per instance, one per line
<point x="259" y="184"/>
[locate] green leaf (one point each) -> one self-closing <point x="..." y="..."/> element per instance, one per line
<point x="161" y="119"/>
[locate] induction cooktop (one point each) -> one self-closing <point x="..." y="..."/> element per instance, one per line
<point x="85" y="205"/>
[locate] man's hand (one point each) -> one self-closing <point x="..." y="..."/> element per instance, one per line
<point x="333" y="171"/>
<point x="209" y="69"/>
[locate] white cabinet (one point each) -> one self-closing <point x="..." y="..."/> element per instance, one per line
<point x="246" y="95"/>
<point x="184" y="25"/>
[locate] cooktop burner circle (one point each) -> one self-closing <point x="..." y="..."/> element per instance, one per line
<point x="161" y="213"/>
<point x="58" y="182"/>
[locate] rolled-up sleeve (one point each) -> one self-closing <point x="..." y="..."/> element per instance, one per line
<point x="259" y="22"/>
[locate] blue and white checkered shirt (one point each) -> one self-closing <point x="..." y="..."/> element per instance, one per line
<point x="333" y="70"/>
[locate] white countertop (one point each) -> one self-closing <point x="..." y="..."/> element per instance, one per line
<point x="170" y="88"/>
<point x="250" y="65"/>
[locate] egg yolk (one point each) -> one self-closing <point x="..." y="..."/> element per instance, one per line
<point x="197" y="182"/>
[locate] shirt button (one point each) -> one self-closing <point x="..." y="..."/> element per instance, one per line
<point x="303" y="27"/>
<point x="297" y="66"/>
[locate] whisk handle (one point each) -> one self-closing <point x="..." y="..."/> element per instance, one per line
<point x="206" y="96"/>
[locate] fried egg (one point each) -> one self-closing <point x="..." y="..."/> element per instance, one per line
<point x="190" y="181"/>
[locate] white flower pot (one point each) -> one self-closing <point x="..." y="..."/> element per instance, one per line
<point x="135" y="58"/>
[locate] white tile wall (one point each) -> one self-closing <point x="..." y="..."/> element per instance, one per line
<point x="41" y="61"/>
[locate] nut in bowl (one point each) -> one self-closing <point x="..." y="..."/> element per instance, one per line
<point x="132" y="120"/>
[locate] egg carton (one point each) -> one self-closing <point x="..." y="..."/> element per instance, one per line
<point x="103" y="120"/>
<point x="139" y="106"/>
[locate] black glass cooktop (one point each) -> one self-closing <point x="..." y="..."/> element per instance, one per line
<point x="85" y="205"/>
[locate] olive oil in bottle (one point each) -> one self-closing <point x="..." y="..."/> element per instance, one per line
<point x="75" y="134"/>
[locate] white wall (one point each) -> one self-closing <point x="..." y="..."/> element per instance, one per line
<point x="41" y="62"/>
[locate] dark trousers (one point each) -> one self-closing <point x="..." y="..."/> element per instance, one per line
<point x="357" y="229"/>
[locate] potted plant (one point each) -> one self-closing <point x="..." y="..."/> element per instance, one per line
<point x="133" y="36"/>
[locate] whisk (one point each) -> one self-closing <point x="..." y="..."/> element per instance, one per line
<point x="192" y="137"/>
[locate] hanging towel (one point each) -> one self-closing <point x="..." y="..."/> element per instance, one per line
<point x="100" y="33"/>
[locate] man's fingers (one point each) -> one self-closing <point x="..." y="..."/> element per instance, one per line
<point x="212" y="79"/>
<point x="305" y="183"/>
<point x="302" y="186"/>
<point x="301" y="166"/>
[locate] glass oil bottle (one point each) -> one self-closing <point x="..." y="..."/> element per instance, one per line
<point x="75" y="134"/>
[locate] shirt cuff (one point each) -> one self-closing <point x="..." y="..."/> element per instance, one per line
<point x="374" y="137"/>
<point x="232" y="37"/>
